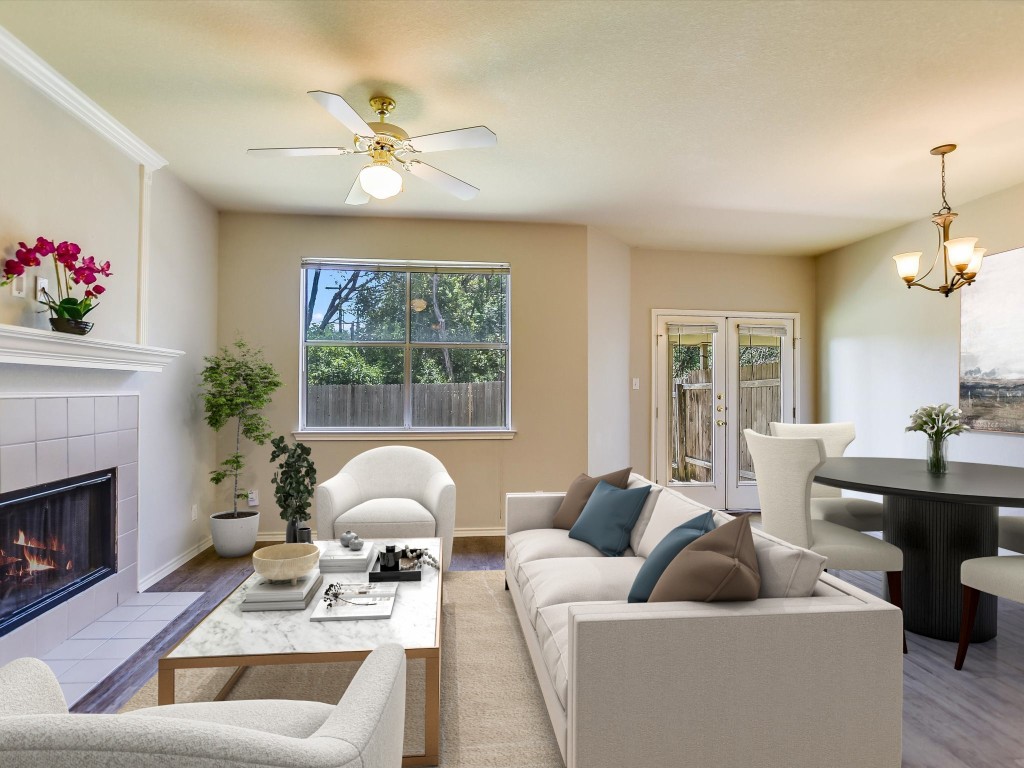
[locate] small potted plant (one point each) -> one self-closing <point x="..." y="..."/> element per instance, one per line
<point x="237" y="386"/>
<point x="294" y="483"/>
<point x="67" y="312"/>
<point x="938" y="422"/>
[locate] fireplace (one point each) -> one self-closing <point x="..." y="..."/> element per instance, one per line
<point x="56" y="540"/>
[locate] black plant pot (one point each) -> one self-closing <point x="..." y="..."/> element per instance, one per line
<point x="291" y="532"/>
<point x="67" y="325"/>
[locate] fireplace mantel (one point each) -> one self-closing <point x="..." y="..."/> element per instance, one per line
<point x="33" y="346"/>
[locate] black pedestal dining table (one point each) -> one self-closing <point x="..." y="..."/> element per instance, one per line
<point x="938" y="522"/>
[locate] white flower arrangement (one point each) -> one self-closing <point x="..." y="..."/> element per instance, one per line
<point x="937" y="421"/>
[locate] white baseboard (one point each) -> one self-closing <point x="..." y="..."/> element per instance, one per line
<point x="462" y="532"/>
<point x="145" y="582"/>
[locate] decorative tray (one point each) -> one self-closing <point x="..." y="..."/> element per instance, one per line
<point x="376" y="574"/>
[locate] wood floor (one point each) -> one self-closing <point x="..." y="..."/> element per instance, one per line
<point x="968" y="719"/>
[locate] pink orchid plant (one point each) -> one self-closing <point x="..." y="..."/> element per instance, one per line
<point x="71" y="270"/>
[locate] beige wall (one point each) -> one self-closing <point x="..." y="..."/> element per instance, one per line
<point x="60" y="179"/>
<point x="884" y="350"/>
<point x="713" y="282"/>
<point x="259" y="300"/>
<point x="607" y="352"/>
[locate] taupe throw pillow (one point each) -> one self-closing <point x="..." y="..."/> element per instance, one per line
<point x="719" y="566"/>
<point x="579" y="493"/>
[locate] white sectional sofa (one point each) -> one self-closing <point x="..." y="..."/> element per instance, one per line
<point x="780" y="682"/>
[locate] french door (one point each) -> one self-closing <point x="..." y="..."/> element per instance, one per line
<point x="716" y="375"/>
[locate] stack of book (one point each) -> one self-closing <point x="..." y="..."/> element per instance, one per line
<point x="356" y="601"/>
<point x="335" y="558"/>
<point x="282" y="595"/>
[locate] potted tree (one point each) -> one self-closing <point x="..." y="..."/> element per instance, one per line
<point x="294" y="483"/>
<point x="237" y="386"/>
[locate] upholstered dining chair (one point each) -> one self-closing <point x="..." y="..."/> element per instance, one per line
<point x="785" y="468"/>
<point x="364" y="730"/>
<point x="1011" y="532"/>
<point x="392" y="492"/>
<point x="828" y="503"/>
<point x="999" y="576"/>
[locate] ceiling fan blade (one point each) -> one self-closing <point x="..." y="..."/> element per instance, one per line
<point x="357" y="195"/>
<point x="445" y="181"/>
<point x="343" y="113"/>
<point x="298" y="151"/>
<point x="463" y="138"/>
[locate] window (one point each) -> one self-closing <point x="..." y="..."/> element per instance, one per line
<point x="392" y="346"/>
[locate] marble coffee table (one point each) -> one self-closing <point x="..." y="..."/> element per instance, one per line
<point x="227" y="637"/>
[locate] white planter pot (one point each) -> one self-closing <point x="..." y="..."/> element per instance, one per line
<point x="234" y="536"/>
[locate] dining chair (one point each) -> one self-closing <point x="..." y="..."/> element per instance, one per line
<point x="828" y="503"/>
<point x="1011" y="532"/>
<point x="999" y="576"/>
<point x="785" y="468"/>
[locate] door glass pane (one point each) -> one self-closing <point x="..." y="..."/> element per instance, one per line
<point x="760" y="387"/>
<point x="691" y="400"/>
<point x="355" y="386"/>
<point x="458" y="387"/>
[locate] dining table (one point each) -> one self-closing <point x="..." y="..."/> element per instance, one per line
<point x="938" y="521"/>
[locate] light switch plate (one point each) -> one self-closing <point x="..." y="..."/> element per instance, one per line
<point x="42" y="286"/>
<point x="254" y="498"/>
<point x="636" y="383"/>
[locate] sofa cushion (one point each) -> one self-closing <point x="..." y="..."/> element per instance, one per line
<point x="718" y="567"/>
<point x="637" y="481"/>
<point x="671" y="545"/>
<point x="543" y="543"/>
<point x="786" y="569"/>
<point x="578" y="493"/>
<point x="297" y="719"/>
<point x="386" y="518"/>
<point x="609" y="517"/>
<point x="671" y="510"/>
<point x="575" y="580"/>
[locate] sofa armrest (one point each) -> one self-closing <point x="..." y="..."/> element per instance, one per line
<point x="794" y="682"/>
<point x="332" y="498"/>
<point x="526" y="511"/>
<point x="439" y="499"/>
<point x="38" y="692"/>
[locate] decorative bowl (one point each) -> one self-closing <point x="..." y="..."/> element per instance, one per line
<point x="285" y="562"/>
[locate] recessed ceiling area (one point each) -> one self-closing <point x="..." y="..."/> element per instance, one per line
<point x="742" y="127"/>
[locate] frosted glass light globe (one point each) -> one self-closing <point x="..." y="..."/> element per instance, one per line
<point x="380" y="181"/>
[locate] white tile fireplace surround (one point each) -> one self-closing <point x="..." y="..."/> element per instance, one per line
<point x="53" y="437"/>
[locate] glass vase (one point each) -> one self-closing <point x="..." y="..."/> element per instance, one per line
<point x="936" y="456"/>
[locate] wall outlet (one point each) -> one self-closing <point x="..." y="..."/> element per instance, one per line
<point x="254" y="497"/>
<point x="42" y="287"/>
<point x="636" y="383"/>
<point x="195" y="512"/>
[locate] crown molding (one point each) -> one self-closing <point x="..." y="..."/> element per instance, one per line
<point x="56" y="87"/>
<point x="34" y="346"/>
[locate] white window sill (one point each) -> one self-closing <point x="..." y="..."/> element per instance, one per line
<point x="404" y="436"/>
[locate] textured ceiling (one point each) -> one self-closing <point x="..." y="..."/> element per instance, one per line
<point x="748" y="127"/>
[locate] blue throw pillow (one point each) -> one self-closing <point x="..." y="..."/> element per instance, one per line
<point x="665" y="552"/>
<point x="608" y="518"/>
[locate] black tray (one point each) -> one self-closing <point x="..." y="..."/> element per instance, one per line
<point x="376" y="574"/>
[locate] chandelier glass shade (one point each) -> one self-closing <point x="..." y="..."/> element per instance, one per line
<point x="961" y="259"/>
<point x="380" y="181"/>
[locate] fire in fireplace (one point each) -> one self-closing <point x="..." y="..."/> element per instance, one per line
<point x="56" y="540"/>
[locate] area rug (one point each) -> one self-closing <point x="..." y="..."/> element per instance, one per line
<point x="492" y="713"/>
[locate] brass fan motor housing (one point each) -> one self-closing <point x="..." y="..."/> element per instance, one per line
<point x="387" y="129"/>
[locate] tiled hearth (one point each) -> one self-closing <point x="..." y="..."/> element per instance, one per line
<point x="49" y="438"/>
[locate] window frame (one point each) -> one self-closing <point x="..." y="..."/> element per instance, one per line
<point x="408" y="345"/>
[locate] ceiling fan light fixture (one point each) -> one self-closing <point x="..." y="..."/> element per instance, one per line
<point x="380" y="181"/>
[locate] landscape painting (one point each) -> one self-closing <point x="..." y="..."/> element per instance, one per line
<point x="992" y="346"/>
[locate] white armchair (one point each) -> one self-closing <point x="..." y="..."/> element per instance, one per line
<point x="364" y="730"/>
<point x="391" y="492"/>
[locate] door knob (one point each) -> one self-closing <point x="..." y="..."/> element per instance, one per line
<point x="720" y="422"/>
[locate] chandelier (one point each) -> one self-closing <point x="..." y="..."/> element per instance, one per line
<point x="961" y="261"/>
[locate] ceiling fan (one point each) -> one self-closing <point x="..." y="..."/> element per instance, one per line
<point x="385" y="143"/>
